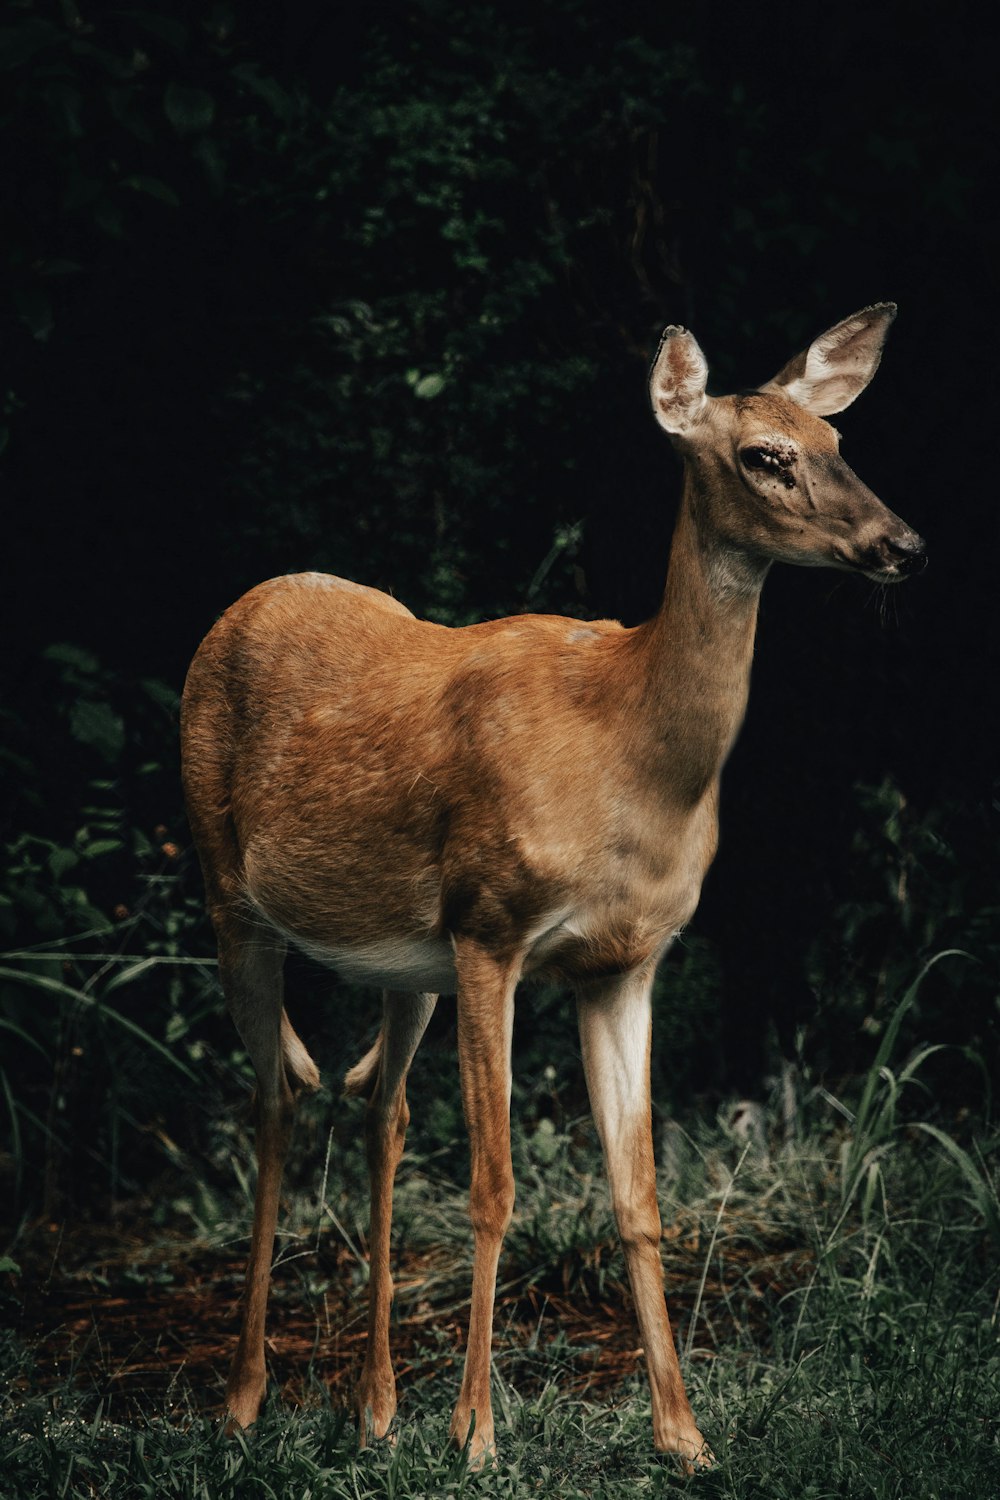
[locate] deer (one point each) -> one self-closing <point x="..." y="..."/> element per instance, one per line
<point x="435" y="810"/>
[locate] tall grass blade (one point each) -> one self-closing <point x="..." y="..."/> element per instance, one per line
<point x="80" y="997"/>
<point x="983" y="1192"/>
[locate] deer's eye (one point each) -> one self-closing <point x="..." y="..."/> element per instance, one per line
<point x="764" y="458"/>
<point x="776" y="461"/>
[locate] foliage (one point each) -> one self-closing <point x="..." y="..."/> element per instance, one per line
<point x="383" y="303"/>
<point x="922" y="888"/>
<point x="101" y="997"/>
<point x="405" y="359"/>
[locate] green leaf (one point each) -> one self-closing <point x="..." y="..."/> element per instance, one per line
<point x="160" y="692"/>
<point x="429" y="386"/>
<point x="126" y="976"/>
<point x="80" y="997"/>
<point x="178" y="1026"/>
<point x="23" y="1036"/>
<point x="101" y="846"/>
<point x="71" y="656"/>
<point x="97" y="725"/>
<point x="189" y="110"/>
<point x="983" y="1193"/>
<point x="273" y="95"/>
<point x="154" y="188"/>
<point x="140" y="843"/>
<point x="62" y="860"/>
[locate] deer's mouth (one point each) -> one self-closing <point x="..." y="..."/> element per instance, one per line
<point x="901" y="557"/>
<point x="890" y="559"/>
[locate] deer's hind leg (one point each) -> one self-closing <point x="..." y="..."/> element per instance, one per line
<point x="251" y="959"/>
<point x="382" y="1077"/>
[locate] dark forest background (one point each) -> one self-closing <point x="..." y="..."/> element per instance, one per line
<point x="374" y="290"/>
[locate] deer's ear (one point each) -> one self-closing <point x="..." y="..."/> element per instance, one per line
<point x="838" y="365"/>
<point x="677" y="381"/>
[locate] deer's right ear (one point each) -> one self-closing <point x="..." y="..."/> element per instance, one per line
<point x="838" y="365"/>
<point x="677" y="381"/>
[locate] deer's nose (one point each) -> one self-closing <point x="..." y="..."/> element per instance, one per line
<point x="906" y="550"/>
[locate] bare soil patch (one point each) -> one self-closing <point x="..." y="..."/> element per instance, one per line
<point x="149" y="1319"/>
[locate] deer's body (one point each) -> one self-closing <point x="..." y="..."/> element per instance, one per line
<point x="440" y="748"/>
<point x="435" y="810"/>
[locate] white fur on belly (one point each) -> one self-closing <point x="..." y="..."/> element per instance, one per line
<point x="418" y="964"/>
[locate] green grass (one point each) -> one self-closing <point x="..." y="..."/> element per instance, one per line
<point x="836" y="1299"/>
<point x="893" y="1396"/>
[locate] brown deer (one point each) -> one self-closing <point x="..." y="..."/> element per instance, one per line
<point x="434" y="810"/>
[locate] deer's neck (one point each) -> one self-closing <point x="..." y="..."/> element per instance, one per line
<point x="694" y="655"/>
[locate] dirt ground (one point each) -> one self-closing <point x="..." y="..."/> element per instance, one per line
<point x="148" y="1321"/>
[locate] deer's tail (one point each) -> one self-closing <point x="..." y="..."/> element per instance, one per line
<point x="301" y="1070"/>
<point x="359" y="1082"/>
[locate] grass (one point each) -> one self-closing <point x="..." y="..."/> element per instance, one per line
<point x="839" y="1341"/>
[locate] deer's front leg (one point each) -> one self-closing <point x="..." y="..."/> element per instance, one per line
<point x="615" y="1029"/>
<point x="485" y="1022"/>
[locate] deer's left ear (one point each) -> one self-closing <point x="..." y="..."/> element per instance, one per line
<point x="838" y="365"/>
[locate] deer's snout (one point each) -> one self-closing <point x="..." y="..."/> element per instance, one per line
<point x="897" y="554"/>
<point x="908" y="552"/>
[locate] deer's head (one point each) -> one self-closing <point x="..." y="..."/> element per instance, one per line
<point x="769" y="481"/>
